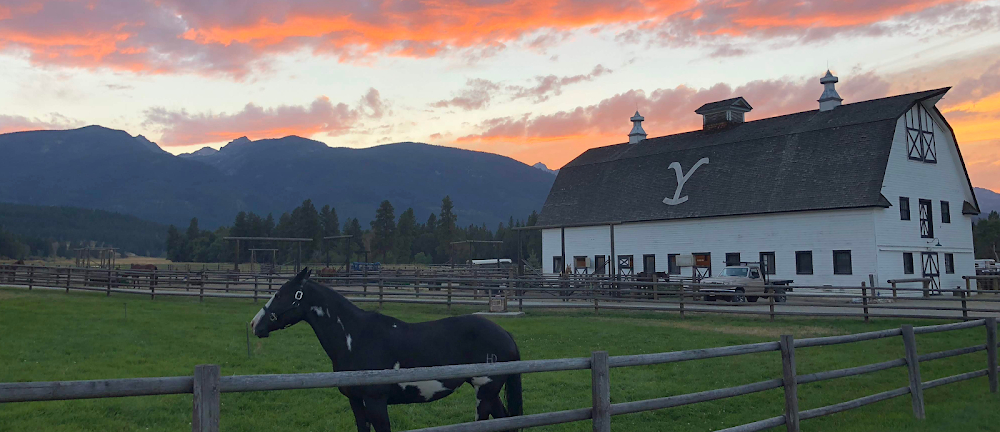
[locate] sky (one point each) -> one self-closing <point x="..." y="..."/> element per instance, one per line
<point x="536" y="80"/>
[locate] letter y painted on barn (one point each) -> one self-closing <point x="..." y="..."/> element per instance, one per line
<point x="681" y="179"/>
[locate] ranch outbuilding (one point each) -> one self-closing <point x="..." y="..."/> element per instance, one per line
<point x="823" y="197"/>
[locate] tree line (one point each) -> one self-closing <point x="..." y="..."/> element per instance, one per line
<point x="986" y="235"/>
<point x="387" y="239"/>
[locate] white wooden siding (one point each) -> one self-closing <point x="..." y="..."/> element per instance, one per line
<point x="941" y="181"/>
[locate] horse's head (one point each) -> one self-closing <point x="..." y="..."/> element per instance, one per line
<point x="284" y="308"/>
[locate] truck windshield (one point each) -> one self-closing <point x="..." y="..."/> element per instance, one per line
<point x="735" y="271"/>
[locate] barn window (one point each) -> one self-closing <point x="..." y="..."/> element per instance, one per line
<point x="907" y="263"/>
<point x="672" y="267"/>
<point x="842" y="262"/>
<point x="557" y="264"/>
<point x="926" y="219"/>
<point x="732" y="258"/>
<point x="804" y="262"/>
<point x="624" y="262"/>
<point x="904" y="208"/>
<point x="920" y="144"/>
<point x="767" y="262"/>
<point x="949" y="263"/>
<point x="945" y="212"/>
<point x="580" y="262"/>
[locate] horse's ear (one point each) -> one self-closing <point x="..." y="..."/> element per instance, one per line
<point x="302" y="276"/>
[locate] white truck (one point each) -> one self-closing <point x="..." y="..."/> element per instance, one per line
<point x="742" y="283"/>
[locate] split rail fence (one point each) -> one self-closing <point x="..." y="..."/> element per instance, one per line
<point x="902" y="298"/>
<point x="208" y="383"/>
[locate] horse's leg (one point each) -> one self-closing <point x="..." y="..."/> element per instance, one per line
<point x="358" y="406"/>
<point x="377" y="412"/>
<point x="484" y="403"/>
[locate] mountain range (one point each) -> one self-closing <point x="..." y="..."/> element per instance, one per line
<point x="100" y="168"/>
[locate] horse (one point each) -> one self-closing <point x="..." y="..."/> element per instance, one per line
<point x="143" y="267"/>
<point x="356" y="339"/>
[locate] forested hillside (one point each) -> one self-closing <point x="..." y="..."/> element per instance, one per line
<point x="390" y="239"/>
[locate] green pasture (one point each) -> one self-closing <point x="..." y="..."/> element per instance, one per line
<point x="51" y="335"/>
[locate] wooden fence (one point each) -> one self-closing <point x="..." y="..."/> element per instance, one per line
<point x="208" y="382"/>
<point x="901" y="299"/>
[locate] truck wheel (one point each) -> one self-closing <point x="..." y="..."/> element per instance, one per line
<point x="780" y="297"/>
<point x="738" y="297"/>
<point x="752" y="299"/>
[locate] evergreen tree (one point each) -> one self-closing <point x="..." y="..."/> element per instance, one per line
<point x="406" y="233"/>
<point x="384" y="229"/>
<point x="330" y="221"/>
<point x="175" y="244"/>
<point x="446" y="230"/>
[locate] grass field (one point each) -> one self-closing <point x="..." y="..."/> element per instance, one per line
<point x="47" y="336"/>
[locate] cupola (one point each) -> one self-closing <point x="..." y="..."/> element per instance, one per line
<point x="829" y="99"/>
<point x="721" y="114"/>
<point x="637" y="134"/>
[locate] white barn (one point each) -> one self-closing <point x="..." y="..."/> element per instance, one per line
<point x="824" y="197"/>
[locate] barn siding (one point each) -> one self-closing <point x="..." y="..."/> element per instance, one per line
<point x="822" y="232"/>
<point x="944" y="180"/>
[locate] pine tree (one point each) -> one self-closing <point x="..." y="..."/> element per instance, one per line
<point x="447" y="230"/>
<point x="384" y="228"/>
<point x="406" y="232"/>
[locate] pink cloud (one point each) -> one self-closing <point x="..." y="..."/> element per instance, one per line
<point x="16" y="123"/>
<point x="235" y="37"/>
<point x="551" y="85"/>
<point x="184" y="128"/>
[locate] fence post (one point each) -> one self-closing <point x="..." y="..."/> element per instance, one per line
<point x="680" y="305"/>
<point x="201" y="291"/>
<point x="448" y="282"/>
<point x="864" y="300"/>
<point x="790" y="383"/>
<point x="600" y="384"/>
<point x="965" y="305"/>
<point x="152" y="291"/>
<point x="991" y="352"/>
<point x="770" y="303"/>
<point x="381" y="289"/>
<point x="927" y="292"/>
<point x="255" y="281"/>
<point x="597" y="310"/>
<point x="69" y="276"/>
<point x="205" y="415"/>
<point x="913" y="366"/>
<point x="109" y="283"/>
<point x="31" y="277"/>
<point x="894" y="291"/>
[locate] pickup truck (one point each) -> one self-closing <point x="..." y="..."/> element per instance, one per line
<point x="740" y="283"/>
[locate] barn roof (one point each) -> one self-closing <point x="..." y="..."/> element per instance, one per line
<point x="810" y="160"/>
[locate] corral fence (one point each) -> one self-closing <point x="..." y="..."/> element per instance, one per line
<point x="901" y="298"/>
<point x="208" y="383"/>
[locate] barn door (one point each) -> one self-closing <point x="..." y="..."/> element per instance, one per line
<point x="600" y="262"/>
<point x="932" y="269"/>
<point x="926" y="219"/>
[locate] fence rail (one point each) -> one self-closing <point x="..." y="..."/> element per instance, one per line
<point x="207" y="383"/>
<point x="594" y="292"/>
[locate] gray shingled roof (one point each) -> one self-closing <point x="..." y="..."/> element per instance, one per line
<point x="722" y="104"/>
<point x="804" y="161"/>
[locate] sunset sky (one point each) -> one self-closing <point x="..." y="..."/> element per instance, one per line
<point x="536" y="80"/>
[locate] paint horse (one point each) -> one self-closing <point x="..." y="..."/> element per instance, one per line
<point x="356" y="339"/>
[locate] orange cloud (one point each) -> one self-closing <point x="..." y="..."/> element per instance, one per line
<point x="231" y="37"/>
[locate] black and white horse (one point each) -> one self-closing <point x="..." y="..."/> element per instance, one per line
<point x="356" y="339"/>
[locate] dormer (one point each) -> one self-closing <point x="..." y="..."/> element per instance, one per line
<point x="719" y="115"/>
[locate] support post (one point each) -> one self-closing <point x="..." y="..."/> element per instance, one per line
<point x="201" y="292"/>
<point x="864" y="300"/>
<point x="109" y="283"/>
<point x="913" y="366"/>
<point x="790" y="383"/>
<point x="597" y="308"/>
<point x="69" y="276"/>
<point x="31" y="277"/>
<point x="927" y="291"/>
<point x="965" y="304"/>
<point x="770" y="303"/>
<point x="894" y="291"/>
<point x="991" y="352"/>
<point x="448" y="282"/>
<point x="152" y="292"/>
<point x="256" y="286"/>
<point x="600" y="384"/>
<point x="562" y="238"/>
<point x="381" y="290"/>
<point x="205" y="414"/>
